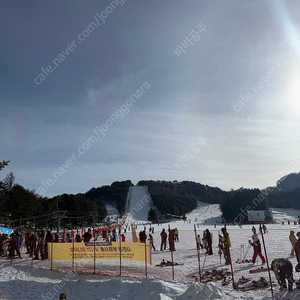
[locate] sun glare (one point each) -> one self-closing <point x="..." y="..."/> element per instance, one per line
<point x="292" y="99"/>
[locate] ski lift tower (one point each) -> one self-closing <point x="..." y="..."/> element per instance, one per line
<point x="94" y="215"/>
<point x="59" y="215"/>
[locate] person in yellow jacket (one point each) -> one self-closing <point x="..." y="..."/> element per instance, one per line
<point x="176" y="235"/>
<point x="293" y="241"/>
<point x="151" y="240"/>
<point x="226" y="245"/>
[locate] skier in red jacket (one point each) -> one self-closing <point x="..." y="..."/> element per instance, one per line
<point x="257" y="249"/>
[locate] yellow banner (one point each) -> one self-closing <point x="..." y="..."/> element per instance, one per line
<point x="107" y="250"/>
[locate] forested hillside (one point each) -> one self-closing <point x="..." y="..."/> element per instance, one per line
<point x="114" y="194"/>
<point x="178" y="198"/>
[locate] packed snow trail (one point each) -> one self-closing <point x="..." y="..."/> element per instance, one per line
<point x="139" y="204"/>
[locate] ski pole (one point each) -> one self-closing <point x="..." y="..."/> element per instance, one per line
<point x="204" y="261"/>
<point x="220" y="251"/>
<point x="249" y="246"/>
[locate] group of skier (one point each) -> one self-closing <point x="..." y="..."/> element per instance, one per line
<point x="172" y="237"/>
<point x="206" y="242"/>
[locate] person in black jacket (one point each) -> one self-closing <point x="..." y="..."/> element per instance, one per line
<point x="163" y="236"/>
<point x="297" y="247"/>
<point x="297" y="252"/>
<point x="209" y="242"/>
<point x="87" y="236"/>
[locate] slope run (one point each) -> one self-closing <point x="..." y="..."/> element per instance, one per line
<point x="209" y="213"/>
<point x="284" y="215"/>
<point x="139" y="199"/>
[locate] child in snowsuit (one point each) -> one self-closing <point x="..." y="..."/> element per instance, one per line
<point x="257" y="249"/>
<point x="283" y="270"/>
<point x="199" y="245"/>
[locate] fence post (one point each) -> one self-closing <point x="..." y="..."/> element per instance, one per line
<point x="12" y="250"/>
<point x="33" y="246"/>
<point x="170" y="244"/>
<point x="198" y="253"/>
<point x="263" y="239"/>
<point x="120" y="251"/>
<point x="145" y="253"/>
<point x="51" y="254"/>
<point x="73" y="253"/>
<point x="94" y="256"/>
<point x="64" y="236"/>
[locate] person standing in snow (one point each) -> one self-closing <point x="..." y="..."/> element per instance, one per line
<point x="27" y="242"/>
<point x="78" y="238"/>
<point x="87" y="236"/>
<point x="68" y="239"/>
<point x="226" y="245"/>
<point x="257" y="249"/>
<point x="199" y="245"/>
<point x="143" y="236"/>
<point x="205" y="242"/>
<point x="163" y="236"/>
<point x="209" y="242"/>
<point x="297" y="248"/>
<point x="176" y="235"/>
<point x="254" y="230"/>
<point x="48" y="240"/>
<point x="265" y="228"/>
<point x="151" y="240"/>
<point x="293" y="241"/>
<point x="14" y="245"/>
<point x="172" y="239"/>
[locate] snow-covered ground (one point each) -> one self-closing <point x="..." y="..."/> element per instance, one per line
<point x="26" y="283"/>
<point x="21" y="281"/>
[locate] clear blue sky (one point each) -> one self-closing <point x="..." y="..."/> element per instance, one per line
<point x="93" y="92"/>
